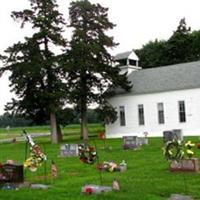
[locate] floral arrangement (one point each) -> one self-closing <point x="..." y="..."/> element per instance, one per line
<point x="112" y="166"/>
<point x="102" y="136"/>
<point x="145" y="134"/>
<point x="87" y="154"/>
<point x="36" y="156"/>
<point x="189" y="150"/>
<point x="173" y="150"/>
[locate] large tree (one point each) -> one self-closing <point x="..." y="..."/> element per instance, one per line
<point x="182" y="46"/>
<point x="90" y="65"/>
<point x="153" y="54"/>
<point x="36" y="73"/>
<point x="179" y="44"/>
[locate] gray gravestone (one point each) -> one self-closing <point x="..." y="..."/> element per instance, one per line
<point x="178" y="134"/>
<point x="143" y="140"/>
<point x="67" y="150"/>
<point x="12" y="173"/>
<point x="131" y="142"/>
<point x="180" y="197"/>
<point x="170" y="135"/>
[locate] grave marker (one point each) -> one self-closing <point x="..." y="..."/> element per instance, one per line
<point x="12" y="173"/>
<point x="170" y="135"/>
<point x="67" y="150"/>
<point x="187" y="165"/>
<point x="131" y="142"/>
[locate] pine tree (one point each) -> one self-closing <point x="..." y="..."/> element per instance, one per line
<point x="179" y="44"/>
<point x="90" y="70"/>
<point x="36" y="73"/>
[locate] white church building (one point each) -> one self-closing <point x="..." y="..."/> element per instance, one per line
<point x="162" y="98"/>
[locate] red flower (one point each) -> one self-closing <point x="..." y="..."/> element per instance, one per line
<point x="88" y="190"/>
<point x="102" y="136"/>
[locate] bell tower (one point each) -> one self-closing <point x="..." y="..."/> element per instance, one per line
<point x="127" y="61"/>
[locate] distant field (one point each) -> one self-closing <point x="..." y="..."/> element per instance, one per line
<point x="68" y="131"/>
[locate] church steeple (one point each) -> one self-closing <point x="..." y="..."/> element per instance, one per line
<point x="127" y="61"/>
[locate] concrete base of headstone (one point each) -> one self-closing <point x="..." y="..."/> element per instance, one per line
<point x="143" y="141"/>
<point x="180" y="197"/>
<point x="24" y="185"/>
<point x="186" y="165"/>
<point x="39" y="186"/>
<point x="95" y="189"/>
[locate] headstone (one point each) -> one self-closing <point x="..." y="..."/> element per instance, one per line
<point x="190" y="165"/>
<point x="178" y="134"/>
<point x="170" y="135"/>
<point x="67" y="150"/>
<point x="143" y="140"/>
<point x="8" y="128"/>
<point x="131" y="142"/>
<point x="180" y="197"/>
<point x="39" y="186"/>
<point x="12" y="173"/>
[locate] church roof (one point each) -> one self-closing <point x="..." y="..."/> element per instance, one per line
<point x="126" y="55"/>
<point x="166" y="78"/>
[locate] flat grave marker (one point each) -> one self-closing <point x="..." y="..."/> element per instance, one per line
<point x="68" y="150"/>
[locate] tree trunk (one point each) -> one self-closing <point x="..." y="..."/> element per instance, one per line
<point x="59" y="132"/>
<point x="54" y="133"/>
<point x="81" y="134"/>
<point x="84" y="129"/>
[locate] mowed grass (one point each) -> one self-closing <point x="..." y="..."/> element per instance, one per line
<point x="147" y="177"/>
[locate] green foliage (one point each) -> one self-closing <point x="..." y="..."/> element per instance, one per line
<point x="152" y="54"/>
<point x="13" y="121"/>
<point x="107" y="114"/>
<point x="179" y="44"/>
<point x="182" y="46"/>
<point x="36" y="72"/>
<point x="90" y="72"/>
<point x="64" y="117"/>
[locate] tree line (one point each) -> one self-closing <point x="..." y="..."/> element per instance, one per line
<point x="182" y="46"/>
<point x="49" y="71"/>
<point x="66" y="117"/>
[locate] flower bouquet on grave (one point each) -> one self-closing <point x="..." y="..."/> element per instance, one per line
<point x="36" y="156"/>
<point x="87" y="154"/>
<point x="112" y="166"/>
<point x="95" y="189"/>
<point x="189" y="145"/>
<point x="198" y="144"/>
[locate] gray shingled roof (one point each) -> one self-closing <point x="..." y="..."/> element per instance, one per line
<point x="166" y="78"/>
<point x="122" y="55"/>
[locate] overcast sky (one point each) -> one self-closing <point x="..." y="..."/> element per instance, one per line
<point x="137" y="22"/>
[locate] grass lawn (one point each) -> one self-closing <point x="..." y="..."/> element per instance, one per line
<point x="147" y="177"/>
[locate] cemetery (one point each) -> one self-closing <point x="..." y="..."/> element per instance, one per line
<point x="72" y="170"/>
<point x="59" y="79"/>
